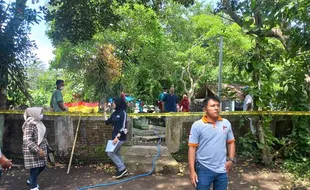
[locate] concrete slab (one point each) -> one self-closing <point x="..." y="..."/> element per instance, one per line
<point x="138" y="159"/>
<point x="152" y="138"/>
<point x="144" y="151"/>
<point x="139" y="132"/>
<point x="140" y="164"/>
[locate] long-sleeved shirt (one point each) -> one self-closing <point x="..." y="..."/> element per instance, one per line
<point x="118" y="121"/>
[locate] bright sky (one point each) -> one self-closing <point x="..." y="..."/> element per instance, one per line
<point x="45" y="48"/>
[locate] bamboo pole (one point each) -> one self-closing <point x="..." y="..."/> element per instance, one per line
<point x="75" y="138"/>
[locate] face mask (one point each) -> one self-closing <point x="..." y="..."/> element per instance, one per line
<point x="41" y="116"/>
<point x="61" y="88"/>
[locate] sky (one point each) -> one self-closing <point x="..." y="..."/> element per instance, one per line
<point x="38" y="33"/>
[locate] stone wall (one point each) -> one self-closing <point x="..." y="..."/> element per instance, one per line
<point x="178" y="129"/>
<point x="91" y="141"/>
<point x="93" y="134"/>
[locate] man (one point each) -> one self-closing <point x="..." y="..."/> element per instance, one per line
<point x="209" y="137"/>
<point x="161" y="98"/>
<point x="171" y="101"/>
<point x="57" y="102"/>
<point x="248" y="100"/>
<point x="248" y="106"/>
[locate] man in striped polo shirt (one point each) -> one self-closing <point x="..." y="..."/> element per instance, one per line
<point x="209" y="137"/>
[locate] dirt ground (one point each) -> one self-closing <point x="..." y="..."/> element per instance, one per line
<point x="244" y="176"/>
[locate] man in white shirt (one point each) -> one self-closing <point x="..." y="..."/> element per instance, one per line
<point x="248" y="100"/>
<point x="248" y="106"/>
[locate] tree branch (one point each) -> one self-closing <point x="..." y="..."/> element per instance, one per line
<point x="189" y="72"/>
<point x="23" y="89"/>
<point x="228" y="9"/>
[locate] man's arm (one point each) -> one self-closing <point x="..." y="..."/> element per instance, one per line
<point x="61" y="105"/>
<point x="60" y="101"/>
<point x="191" y="158"/>
<point x="231" y="154"/>
<point x="231" y="150"/>
<point x="191" y="165"/>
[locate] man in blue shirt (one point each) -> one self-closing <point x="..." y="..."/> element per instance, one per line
<point x="208" y="141"/>
<point x="171" y="101"/>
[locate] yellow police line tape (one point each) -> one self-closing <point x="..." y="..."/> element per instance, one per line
<point x="169" y="114"/>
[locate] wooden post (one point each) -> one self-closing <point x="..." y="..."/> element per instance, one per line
<point x="75" y="138"/>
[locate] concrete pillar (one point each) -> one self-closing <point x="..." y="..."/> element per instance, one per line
<point x="64" y="135"/>
<point x="173" y="133"/>
<point x="129" y="131"/>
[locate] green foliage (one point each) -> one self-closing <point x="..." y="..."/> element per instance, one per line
<point x="15" y="48"/>
<point x="247" y="147"/>
<point x="300" y="167"/>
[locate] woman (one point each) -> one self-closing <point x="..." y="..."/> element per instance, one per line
<point x="118" y="120"/>
<point x="34" y="144"/>
<point x="184" y="104"/>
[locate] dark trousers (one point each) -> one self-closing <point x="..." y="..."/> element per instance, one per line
<point x="34" y="173"/>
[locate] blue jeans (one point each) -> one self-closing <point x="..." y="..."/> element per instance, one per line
<point x="34" y="173"/>
<point x="206" y="177"/>
<point x="116" y="156"/>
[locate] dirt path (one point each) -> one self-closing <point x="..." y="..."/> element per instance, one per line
<point x="245" y="176"/>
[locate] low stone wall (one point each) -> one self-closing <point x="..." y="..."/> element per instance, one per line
<point x="91" y="141"/>
<point x="178" y="129"/>
<point x="93" y="134"/>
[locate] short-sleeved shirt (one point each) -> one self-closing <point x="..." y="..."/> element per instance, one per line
<point x="56" y="97"/>
<point x="211" y="140"/>
<point x="247" y="100"/>
<point x="171" y="101"/>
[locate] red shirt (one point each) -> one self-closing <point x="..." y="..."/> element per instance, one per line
<point x="185" y="105"/>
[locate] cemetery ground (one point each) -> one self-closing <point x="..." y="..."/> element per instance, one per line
<point x="245" y="175"/>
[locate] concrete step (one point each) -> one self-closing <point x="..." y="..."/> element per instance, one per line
<point x="145" y="151"/>
<point x="149" y="138"/>
<point x="138" y="159"/>
<point x="148" y="132"/>
<point x="157" y="128"/>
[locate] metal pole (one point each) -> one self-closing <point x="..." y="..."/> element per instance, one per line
<point x="220" y="69"/>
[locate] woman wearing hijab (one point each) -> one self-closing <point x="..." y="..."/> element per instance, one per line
<point x="34" y="144"/>
<point x="118" y="120"/>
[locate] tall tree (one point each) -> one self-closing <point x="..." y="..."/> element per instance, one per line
<point x="15" y="46"/>
<point x="288" y="22"/>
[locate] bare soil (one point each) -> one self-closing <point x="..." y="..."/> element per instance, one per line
<point x="245" y="176"/>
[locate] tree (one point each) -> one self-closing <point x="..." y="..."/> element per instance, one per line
<point x="15" y="47"/>
<point x="79" y="20"/>
<point x="287" y="22"/>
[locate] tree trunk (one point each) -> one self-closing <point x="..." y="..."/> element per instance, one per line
<point x="266" y="154"/>
<point x="3" y="86"/>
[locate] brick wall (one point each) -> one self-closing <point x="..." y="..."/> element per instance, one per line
<point x="93" y="135"/>
<point x="92" y="138"/>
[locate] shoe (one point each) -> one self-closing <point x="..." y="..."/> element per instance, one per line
<point x="36" y="188"/>
<point x="121" y="174"/>
<point x="28" y="183"/>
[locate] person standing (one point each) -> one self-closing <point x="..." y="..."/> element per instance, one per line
<point x="248" y="100"/>
<point x="184" y="104"/>
<point x="161" y="105"/>
<point x="170" y="100"/>
<point x="209" y="137"/>
<point x="57" y="102"/>
<point x="118" y="119"/>
<point x="34" y="144"/>
<point x="248" y="106"/>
